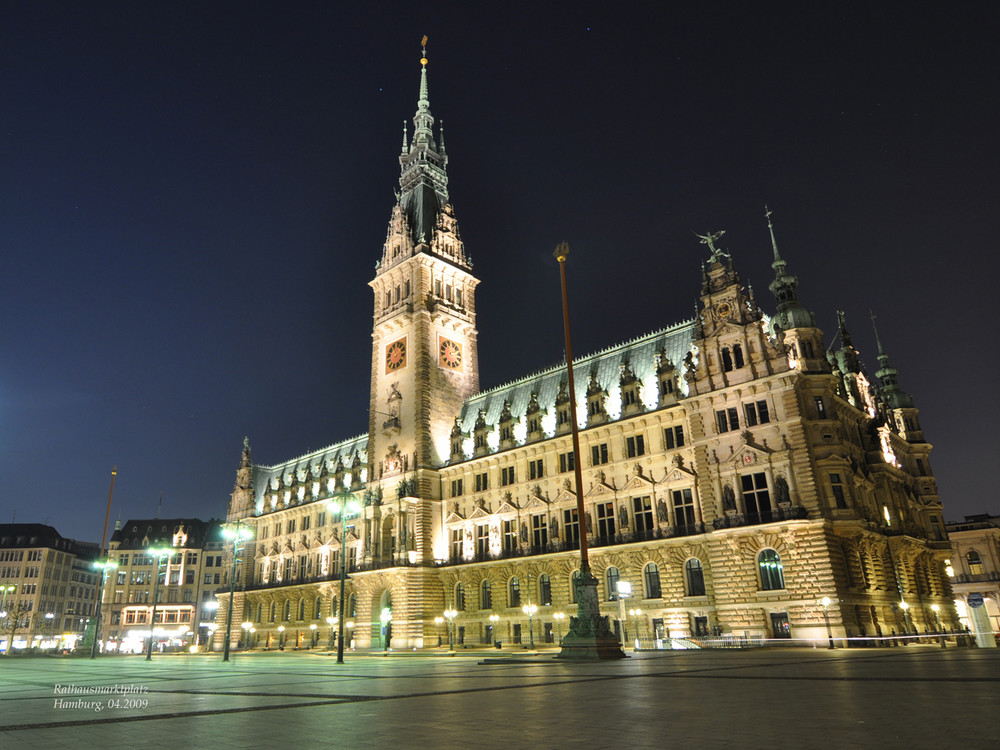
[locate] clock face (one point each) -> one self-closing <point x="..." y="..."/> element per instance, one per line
<point x="395" y="355"/>
<point x="723" y="310"/>
<point x="450" y="354"/>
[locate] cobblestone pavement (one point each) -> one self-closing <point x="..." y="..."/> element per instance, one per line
<point x="913" y="697"/>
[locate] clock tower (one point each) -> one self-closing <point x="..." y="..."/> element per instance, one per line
<point x="424" y="352"/>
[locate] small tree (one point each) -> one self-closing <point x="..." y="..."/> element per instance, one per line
<point x="18" y="618"/>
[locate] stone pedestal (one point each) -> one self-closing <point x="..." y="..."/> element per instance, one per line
<point x="590" y="636"/>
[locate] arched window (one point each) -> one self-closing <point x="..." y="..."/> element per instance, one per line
<point x="260" y="613"/>
<point x="694" y="575"/>
<point x="574" y="581"/>
<point x="352" y="606"/>
<point x="515" y="592"/>
<point x="318" y="608"/>
<point x="288" y="610"/>
<point x="486" y="595"/>
<point x="459" y="597"/>
<point x="302" y="609"/>
<point x="975" y="562"/>
<point x="772" y="576"/>
<point x="738" y="355"/>
<point x="272" y="611"/>
<point x="544" y="590"/>
<point x="651" y="574"/>
<point x="611" y="578"/>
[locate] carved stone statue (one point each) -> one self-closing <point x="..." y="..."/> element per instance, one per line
<point x="524" y="532"/>
<point x="784" y="497"/>
<point x="661" y="511"/>
<point x="590" y="524"/>
<point x="555" y="529"/>
<point x="623" y="516"/>
<point x="728" y="498"/>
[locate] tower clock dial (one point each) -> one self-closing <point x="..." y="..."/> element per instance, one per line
<point x="395" y="355"/>
<point x="450" y="354"/>
<point x="723" y="310"/>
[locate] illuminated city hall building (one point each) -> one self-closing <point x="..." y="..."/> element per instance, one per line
<point x="735" y="473"/>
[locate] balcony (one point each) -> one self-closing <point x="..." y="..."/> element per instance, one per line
<point x="976" y="577"/>
<point x="795" y="513"/>
<point x="333" y="575"/>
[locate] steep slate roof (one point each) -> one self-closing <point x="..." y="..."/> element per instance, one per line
<point x="310" y="464"/>
<point x="141" y="533"/>
<point x="674" y="343"/>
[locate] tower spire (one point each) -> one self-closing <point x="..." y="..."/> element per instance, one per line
<point x="896" y="397"/>
<point x="423" y="177"/>
<point x="790" y="313"/>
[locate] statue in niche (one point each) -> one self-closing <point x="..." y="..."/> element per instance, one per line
<point x="623" y="516"/>
<point x="784" y="496"/>
<point x="524" y="532"/>
<point x="728" y="499"/>
<point x="661" y="511"/>
<point x="590" y="524"/>
<point x="555" y="529"/>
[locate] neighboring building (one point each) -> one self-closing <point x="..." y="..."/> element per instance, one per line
<point x="47" y="587"/>
<point x="735" y="473"/>
<point x="975" y="567"/>
<point x="189" y="579"/>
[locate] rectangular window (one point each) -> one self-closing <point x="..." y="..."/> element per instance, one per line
<point x="838" y="491"/>
<point x="536" y="469"/>
<point x="920" y="467"/>
<point x="456" y="487"/>
<point x="539" y="530"/>
<point x="482" y="540"/>
<point x="756" y="496"/>
<point x="321" y="518"/>
<point x="643" y="513"/>
<point x="567" y="461"/>
<point x="605" y="520"/>
<point x="509" y="535"/>
<point x="684" y="508"/>
<point x="599" y="454"/>
<point x="456" y="544"/>
<point x="482" y="482"/>
<point x="820" y="407"/>
<point x="291" y="526"/>
<point x="571" y="526"/>
<point x="507" y="476"/>
<point x="674" y="437"/>
<point x="635" y="446"/>
<point x="727" y="419"/>
<point x="305" y="523"/>
<point x="756" y="413"/>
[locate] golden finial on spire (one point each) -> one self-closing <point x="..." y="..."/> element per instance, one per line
<point x="423" y="49"/>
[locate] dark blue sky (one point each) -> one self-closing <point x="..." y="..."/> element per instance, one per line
<point x="193" y="197"/>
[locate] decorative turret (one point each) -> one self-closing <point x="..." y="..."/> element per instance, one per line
<point x="792" y="324"/>
<point x="241" y="502"/>
<point x="895" y="397"/>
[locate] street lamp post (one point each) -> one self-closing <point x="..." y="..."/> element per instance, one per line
<point x="937" y="616"/>
<point x="825" y="601"/>
<point x="558" y="617"/>
<point x="159" y="555"/>
<point x="529" y="610"/>
<point x="347" y="505"/>
<point x="103" y="551"/>
<point x="312" y="634"/>
<point x="281" y="637"/>
<point x="494" y="619"/>
<point x="635" y="613"/>
<point x="449" y="615"/>
<point x="238" y="535"/>
<point x="438" y="621"/>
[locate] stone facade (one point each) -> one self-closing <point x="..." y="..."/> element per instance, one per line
<point x="974" y="568"/>
<point x="735" y="473"/>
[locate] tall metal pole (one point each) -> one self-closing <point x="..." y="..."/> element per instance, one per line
<point x="156" y="592"/>
<point x="232" y="590"/>
<point x="561" y="252"/>
<point x="104" y="570"/>
<point x="343" y="570"/>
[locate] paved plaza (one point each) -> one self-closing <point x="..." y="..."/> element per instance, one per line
<point x="913" y="697"/>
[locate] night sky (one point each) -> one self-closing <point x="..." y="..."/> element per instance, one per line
<point x="193" y="197"/>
